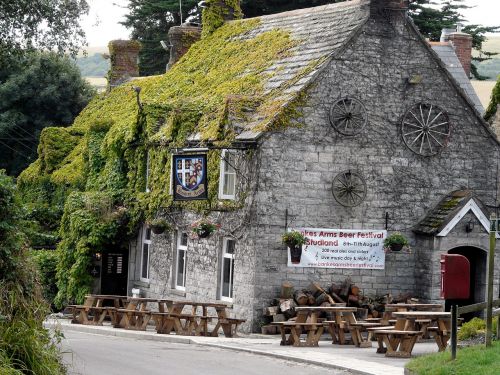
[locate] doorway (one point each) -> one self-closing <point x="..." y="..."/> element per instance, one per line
<point x="115" y="272"/>
<point x="477" y="259"/>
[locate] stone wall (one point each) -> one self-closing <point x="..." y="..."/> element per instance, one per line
<point x="293" y="170"/>
<point x="298" y="166"/>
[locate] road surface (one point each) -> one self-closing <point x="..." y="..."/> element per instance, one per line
<point x="89" y="354"/>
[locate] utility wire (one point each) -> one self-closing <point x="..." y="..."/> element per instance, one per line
<point x="16" y="151"/>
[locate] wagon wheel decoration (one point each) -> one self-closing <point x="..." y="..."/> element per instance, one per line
<point x="426" y="129"/>
<point x="348" y="116"/>
<point x="349" y="188"/>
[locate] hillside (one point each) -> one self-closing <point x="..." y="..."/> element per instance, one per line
<point x="93" y="65"/>
<point x="490" y="68"/>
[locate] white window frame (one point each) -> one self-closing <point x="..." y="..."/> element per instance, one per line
<point x="147" y="242"/>
<point x="223" y="173"/>
<point x="226" y="255"/>
<point x="180" y="248"/>
<point x="148" y="171"/>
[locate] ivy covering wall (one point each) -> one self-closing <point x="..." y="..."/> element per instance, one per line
<point x="94" y="171"/>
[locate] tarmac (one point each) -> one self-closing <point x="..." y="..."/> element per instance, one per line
<point x="345" y="357"/>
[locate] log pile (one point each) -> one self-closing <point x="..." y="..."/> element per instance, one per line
<point x="345" y="293"/>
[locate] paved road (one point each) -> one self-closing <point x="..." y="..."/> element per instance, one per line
<point x="89" y="354"/>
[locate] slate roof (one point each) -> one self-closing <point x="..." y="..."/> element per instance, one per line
<point x="322" y="31"/>
<point x="447" y="54"/>
<point x="444" y="212"/>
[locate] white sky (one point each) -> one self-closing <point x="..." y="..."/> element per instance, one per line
<point x="102" y="23"/>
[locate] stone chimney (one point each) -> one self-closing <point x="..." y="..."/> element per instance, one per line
<point x="217" y="12"/>
<point x="181" y="38"/>
<point x="390" y="11"/>
<point x="462" y="43"/>
<point x="378" y="7"/>
<point x="123" y="55"/>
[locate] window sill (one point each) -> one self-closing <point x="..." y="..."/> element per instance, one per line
<point x="178" y="292"/>
<point x="141" y="284"/>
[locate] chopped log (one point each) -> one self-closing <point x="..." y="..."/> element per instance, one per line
<point x="353" y="300"/>
<point x="401" y="298"/>
<point x="268" y="329"/>
<point x="346" y="286"/>
<point x="354" y="290"/>
<point x="278" y="318"/>
<point x="300" y="297"/>
<point x="270" y="311"/>
<point x="315" y="289"/>
<point x="334" y="289"/>
<point x="375" y="314"/>
<point x="322" y="298"/>
<point x="287" y="290"/>
<point x="287" y="307"/>
<point x="336" y="297"/>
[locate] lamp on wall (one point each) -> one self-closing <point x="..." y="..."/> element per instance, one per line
<point x="469" y="226"/>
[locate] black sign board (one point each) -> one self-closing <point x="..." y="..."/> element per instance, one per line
<point x="190" y="177"/>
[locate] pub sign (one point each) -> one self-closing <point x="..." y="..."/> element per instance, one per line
<point x="189" y="177"/>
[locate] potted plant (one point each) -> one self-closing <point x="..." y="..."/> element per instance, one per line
<point x="159" y="225"/>
<point x="395" y="242"/>
<point x="204" y="228"/>
<point x="294" y="240"/>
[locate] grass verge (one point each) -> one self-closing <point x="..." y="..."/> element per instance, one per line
<point x="477" y="360"/>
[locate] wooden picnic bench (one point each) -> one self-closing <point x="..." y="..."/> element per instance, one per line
<point x="93" y="312"/>
<point x="171" y="317"/>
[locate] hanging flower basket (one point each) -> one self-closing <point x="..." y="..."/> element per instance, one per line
<point x="204" y="228"/>
<point x="294" y="240"/>
<point x="159" y="226"/>
<point x="396" y="242"/>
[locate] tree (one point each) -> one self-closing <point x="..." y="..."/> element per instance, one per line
<point x="25" y="346"/>
<point x="431" y="17"/>
<point x="150" y="21"/>
<point x="41" y="24"/>
<point x="36" y="90"/>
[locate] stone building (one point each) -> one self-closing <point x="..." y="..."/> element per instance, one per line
<point x="364" y="95"/>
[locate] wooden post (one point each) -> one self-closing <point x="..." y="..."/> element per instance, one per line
<point x="489" y="290"/>
<point x="454" y="317"/>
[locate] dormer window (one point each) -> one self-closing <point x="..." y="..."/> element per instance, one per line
<point x="227" y="180"/>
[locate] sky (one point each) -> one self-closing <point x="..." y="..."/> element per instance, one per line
<point x="102" y="23"/>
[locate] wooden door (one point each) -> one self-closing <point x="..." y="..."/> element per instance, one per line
<point x="114" y="272"/>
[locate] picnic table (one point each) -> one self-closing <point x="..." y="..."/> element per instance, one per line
<point x="95" y="309"/>
<point x="308" y="320"/>
<point x="171" y="316"/>
<point x="136" y="314"/>
<point x="400" y="340"/>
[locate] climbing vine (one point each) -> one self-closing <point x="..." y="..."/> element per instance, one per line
<point x="95" y="170"/>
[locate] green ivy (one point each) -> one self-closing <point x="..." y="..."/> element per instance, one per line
<point x="94" y="171"/>
<point x="494" y="103"/>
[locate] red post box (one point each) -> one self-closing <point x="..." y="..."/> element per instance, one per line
<point x="455" y="276"/>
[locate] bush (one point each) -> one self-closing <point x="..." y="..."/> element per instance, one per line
<point x="471" y="328"/>
<point x="46" y="262"/>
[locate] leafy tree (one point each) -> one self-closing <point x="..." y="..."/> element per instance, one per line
<point x="36" y="90"/>
<point x="25" y="346"/>
<point x="41" y="24"/>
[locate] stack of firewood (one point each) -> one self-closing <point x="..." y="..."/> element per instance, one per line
<point x="346" y="292"/>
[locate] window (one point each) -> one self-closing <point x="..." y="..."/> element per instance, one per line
<point x="180" y="274"/>
<point x="227" y="270"/>
<point x="148" y="171"/>
<point x="227" y="180"/>
<point x="146" y="243"/>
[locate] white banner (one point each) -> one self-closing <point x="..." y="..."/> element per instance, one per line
<point x="340" y="248"/>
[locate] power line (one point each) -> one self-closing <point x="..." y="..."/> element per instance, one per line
<point x="16" y="151"/>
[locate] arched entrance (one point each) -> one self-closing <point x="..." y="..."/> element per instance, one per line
<point x="477" y="258"/>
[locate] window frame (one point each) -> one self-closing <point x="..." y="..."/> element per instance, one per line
<point x="180" y="248"/>
<point x="223" y="173"/>
<point x="225" y="255"/>
<point x="145" y="241"/>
